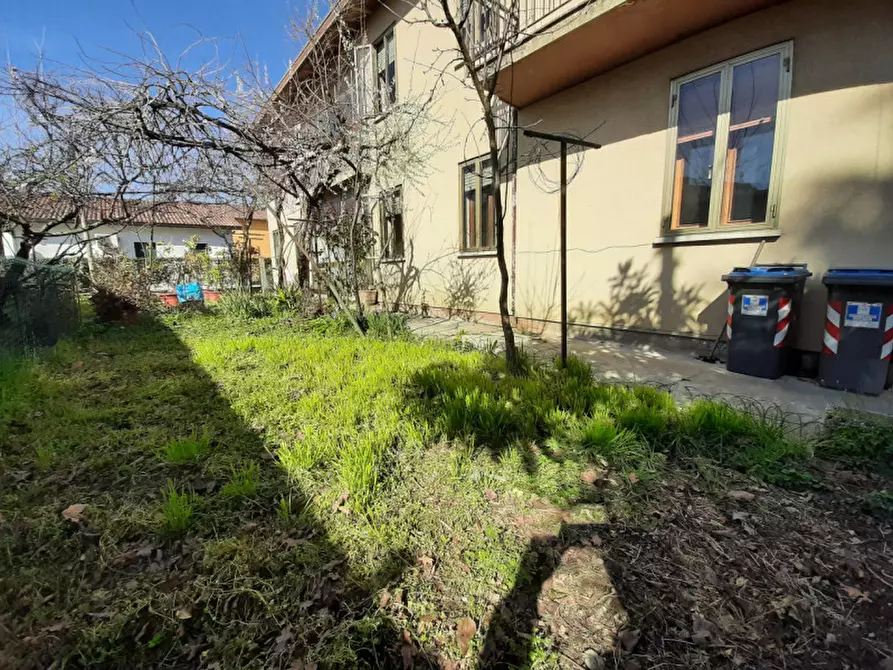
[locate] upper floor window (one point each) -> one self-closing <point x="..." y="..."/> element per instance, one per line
<point x="478" y="205"/>
<point x="385" y="71"/>
<point x="392" y="224"/>
<point x="726" y="122"/>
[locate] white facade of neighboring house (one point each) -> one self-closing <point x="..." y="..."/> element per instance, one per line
<point x="170" y="241"/>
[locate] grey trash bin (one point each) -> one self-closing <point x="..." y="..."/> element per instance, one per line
<point x="764" y="304"/>
<point x="858" y="337"/>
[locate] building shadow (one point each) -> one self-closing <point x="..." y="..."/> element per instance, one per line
<point x="254" y="580"/>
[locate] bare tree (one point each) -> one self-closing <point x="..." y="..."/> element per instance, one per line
<point x="64" y="176"/>
<point x="483" y="32"/>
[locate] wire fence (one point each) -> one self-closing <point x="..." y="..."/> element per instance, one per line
<point x="38" y="303"/>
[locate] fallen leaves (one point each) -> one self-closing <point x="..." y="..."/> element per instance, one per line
<point x="427" y="564"/>
<point x="854" y="593"/>
<point x="746" y="496"/>
<point x="465" y="632"/>
<point x="183" y="613"/>
<point x="74" y="513"/>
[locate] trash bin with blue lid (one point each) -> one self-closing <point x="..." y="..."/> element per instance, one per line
<point x="858" y="339"/>
<point x="764" y="305"/>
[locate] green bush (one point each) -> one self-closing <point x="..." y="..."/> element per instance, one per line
<point x="242" y="305"/>
<point x="386" y="325"/>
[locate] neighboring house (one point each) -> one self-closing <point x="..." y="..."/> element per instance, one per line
<point x="258" y="234"/>
<point x="164" y="230"/>
<point x="723" y="124"/>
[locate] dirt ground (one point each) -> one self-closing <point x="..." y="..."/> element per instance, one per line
<point x="747" y="578"/>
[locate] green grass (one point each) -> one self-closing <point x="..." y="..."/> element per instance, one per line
<point x="243" y="482"/>
<point x="176" y="509"/>
<point x="328" y="469"/>
<point x="188" y="449"/>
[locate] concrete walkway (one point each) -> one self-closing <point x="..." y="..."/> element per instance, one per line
<point x="682" y="374"/>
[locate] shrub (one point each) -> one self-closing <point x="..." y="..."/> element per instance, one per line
<point x="124" y="285"/>
<point x="386" y="325"/>
<point x="243" y="305"/>
<point x="288" y="300"/>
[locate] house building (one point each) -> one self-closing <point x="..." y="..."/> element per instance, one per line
<point x="257" y="233"/>
<point x="164" y="231"/>
<point x="730" y="130"/>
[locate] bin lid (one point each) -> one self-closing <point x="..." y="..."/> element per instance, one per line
<point x="859" y="276"/>
<point x="768" y="273"/>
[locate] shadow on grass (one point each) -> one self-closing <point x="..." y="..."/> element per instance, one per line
<point x="245" y="578"/>
<point x="704" y="577"/>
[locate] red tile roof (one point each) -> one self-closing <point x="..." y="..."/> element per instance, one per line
<point x="182" y="214"/>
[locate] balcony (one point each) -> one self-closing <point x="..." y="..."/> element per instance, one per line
<point x="560" y="43"/>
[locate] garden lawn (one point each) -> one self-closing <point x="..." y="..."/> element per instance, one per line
<point x="273" y="493"/>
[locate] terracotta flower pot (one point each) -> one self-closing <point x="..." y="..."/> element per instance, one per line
<point x="169" y="299"/>
<point x="369" y="296"/>
<point x="211" y="296"/>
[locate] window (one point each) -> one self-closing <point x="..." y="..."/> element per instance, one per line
<point x="478" y="213"/>
<point x="201" y="248"/>
<point x="725" y="123"/>
<point x="392" y="225"/>
<point x="144" y="250"/>
<point x="385" y="72"/>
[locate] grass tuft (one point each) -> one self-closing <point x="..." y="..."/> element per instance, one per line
<point x="187" y="450"/>
<point x="176" y="509"/>
<point x="242" y="483"/>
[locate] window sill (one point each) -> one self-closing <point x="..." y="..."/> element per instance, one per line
<point x="717" y="238"/>
<point x="484" y="253"/>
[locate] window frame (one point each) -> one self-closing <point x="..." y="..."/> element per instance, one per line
<point x="386" y="218"/>
<point x="378" y="102"/>
<point x="151" y="247"/>
<point x="477" y="248"/>
<point x="715" y="225"/>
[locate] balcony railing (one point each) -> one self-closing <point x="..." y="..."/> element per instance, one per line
<point x="495" y="22"/>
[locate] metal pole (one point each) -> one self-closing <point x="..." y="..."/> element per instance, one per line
<point x="563" y="140"/>
<point x="563" y="225"/>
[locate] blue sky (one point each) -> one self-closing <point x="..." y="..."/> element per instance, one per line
<point x="60" y="28"/>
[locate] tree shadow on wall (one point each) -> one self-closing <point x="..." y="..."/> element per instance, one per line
<point x="639" y="300"/>
<point x="465" y="284"/>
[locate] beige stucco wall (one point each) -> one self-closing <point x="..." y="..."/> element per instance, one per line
<point x="836" y="203"/>
<point x="453" y="133"/>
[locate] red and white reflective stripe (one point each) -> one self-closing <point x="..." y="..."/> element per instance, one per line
<point x="729" y="319"/>
<point x="784" y="321"/>
<point x="887" y="347"/>
<point x="832" y="326"/>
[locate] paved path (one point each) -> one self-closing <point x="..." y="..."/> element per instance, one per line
<point x="684" y="375"/>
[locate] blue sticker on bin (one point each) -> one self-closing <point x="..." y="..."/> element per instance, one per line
<point x="863" y="315"/>
<point x="755" y="305"/>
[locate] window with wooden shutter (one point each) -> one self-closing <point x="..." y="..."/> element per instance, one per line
<point x="478" y="184"/>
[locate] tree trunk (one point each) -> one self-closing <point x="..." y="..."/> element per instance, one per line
<point x="508" y="333"/>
